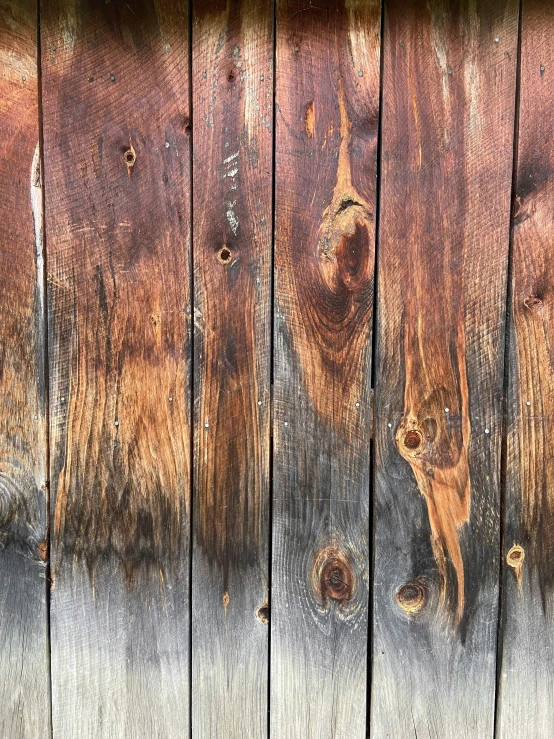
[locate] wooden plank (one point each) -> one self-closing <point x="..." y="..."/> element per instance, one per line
<point x="448" y="114"/>
<point x="24" y="666"/>
<point x="232" y="223"/>
<point x="526" y="700"/>
<point x="326" y="159"/>
<point x="117" y="166"/>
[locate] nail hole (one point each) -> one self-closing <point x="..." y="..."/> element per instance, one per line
<point x="224" y="255"/>
<point x="411" y="597"/>
<point x="231" y="76"/>
<point x="412" y="439"/>
<point x="532" y="301"/>
<point x="225" y="599"/>
<point x="515" y="556"/>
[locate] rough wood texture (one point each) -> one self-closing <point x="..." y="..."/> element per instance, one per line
<point x="526" y="703"/>
<point x="232" y="211"/>
<point x="117" y="143"/>
<point x="24" y="668"/>
<point x="448" y="110"/>
<point x="326" y="144"/>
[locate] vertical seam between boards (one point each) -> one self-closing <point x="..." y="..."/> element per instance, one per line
<point x="505" y="381"/>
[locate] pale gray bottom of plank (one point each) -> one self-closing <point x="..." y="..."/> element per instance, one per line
<point x="526" y="699"/>
<point x="24" y="664"/>
<point x="230" y="654"/>
<point x="120" y="666"/>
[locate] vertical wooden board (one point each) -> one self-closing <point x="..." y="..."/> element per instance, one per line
<point x="232" y="222"/>
<point x="448" y="114"/>
<point x="115" y="80"/>
<point x="326" y="158"/>
<point x="526" y="700"/>
<point x="24" y="668"/>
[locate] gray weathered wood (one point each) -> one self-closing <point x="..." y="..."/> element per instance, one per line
<point x="232" y="72"/>
<point x="327" y="109"/>
<point x="24" y="666"/>
<point x="526" y="697"/>
<point x="117" y="165"/>
<point x="449" y="81"/>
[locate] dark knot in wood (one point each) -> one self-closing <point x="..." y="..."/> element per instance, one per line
<point x="412" y="439"/>
<point x="333" y="577"/>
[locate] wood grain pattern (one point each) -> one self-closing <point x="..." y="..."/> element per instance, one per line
<point x="24" y="666"/>
<point x="326" y="143"/>
<point x="232" y="207"/>
<point x="448" y="112"/>
<point x="526" y="702"/>
<point x="115" y="76"/>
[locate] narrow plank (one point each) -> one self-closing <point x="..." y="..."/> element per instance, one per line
<point x="526" y="701"/>
<point x="117" y="166"/>
<point x="448" y="113"/>
<point x="326" y="159"/>
<point x="232" y="222"/>
<point x="24" y="666"/>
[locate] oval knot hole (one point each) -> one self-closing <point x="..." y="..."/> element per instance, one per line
<point x="412" y="440"/>
<point x="262" y="614"/>
<point x="515" y="556"/>
<point x="411" y="597"/>
<point x="224" y="255"/>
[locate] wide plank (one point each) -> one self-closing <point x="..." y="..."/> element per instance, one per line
<point x="117" y="184"/>
<point x="24" y="665"/>
<point x="526" y="698"/>
<point x="327" y="113"/>
<point x="232" y="73"/>
<point x="449" y="81"/>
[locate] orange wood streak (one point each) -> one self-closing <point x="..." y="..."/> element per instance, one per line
<point x="435" y="381"/>
<point x="233" y="101"/>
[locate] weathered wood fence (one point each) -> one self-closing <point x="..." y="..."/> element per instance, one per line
<point x="276" y="369"/>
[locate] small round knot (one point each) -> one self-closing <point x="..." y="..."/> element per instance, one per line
<point x="412" y="439"/>
<point x="515" y="556"/>
<point x="411" y="597"/>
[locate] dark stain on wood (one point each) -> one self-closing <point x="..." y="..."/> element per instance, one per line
<point x="118" y="254"/>
<point x="233" y="119"/>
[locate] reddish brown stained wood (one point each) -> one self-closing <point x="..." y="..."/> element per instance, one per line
<point x="232" y="210"/>
<point x="326" y="142"/>
<point x="24" y="668"/>
<point x="526" y="700"/>
<point x="115" y="79"/>
<point x="448" y="111"/>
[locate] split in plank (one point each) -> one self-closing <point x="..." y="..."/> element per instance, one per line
<point x="24" y="666"/>
<point x="526" y="697"/>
